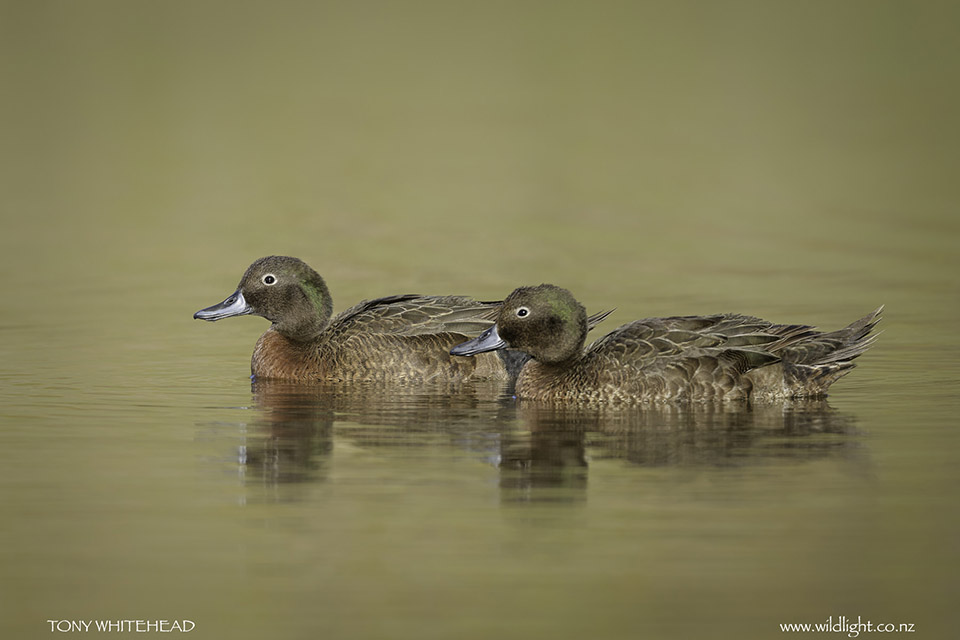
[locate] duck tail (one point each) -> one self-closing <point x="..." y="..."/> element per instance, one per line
<point x="812" y="365"/>
<point x="854" y="339"/>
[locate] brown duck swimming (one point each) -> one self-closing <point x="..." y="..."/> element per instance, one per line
<point x="698" y="358"/>
<point x="396" y="338"/>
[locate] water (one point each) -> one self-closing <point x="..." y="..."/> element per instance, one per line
<point x="657" y="160"/>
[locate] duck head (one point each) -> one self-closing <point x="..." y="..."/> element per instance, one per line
<point x="285" y="291"/>
<point x="545" y="322"/>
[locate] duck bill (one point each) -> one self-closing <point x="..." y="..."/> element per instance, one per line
<point x="489" y="340"/>
<point x="235" y="305"/>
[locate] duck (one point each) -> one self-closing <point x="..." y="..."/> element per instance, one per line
<point x="721" y="357"/>
<point x="397" y="338"/>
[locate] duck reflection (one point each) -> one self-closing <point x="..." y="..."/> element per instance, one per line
<point x="549" y="460"/>
<point x="542" y="452"/>
<point x="292" y="437"/>
<point x="732" y="436"/>
<point x="546" y="460"/>
<point x="293" y="432"/>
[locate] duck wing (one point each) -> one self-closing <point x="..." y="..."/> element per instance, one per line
<point x="736" y="342"/>
<point x="715" y="351"/>
<point x="417" y="315"/>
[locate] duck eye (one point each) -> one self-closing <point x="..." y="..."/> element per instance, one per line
<point x="269" y="279"/>
<point x="523" y="312"/>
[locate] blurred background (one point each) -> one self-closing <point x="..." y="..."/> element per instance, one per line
<point x="792" y="160"/>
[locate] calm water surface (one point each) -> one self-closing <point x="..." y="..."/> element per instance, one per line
<point x="147" y="492"/>
<point x="747" y="157"/>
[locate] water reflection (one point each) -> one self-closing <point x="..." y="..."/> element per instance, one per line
<point x="547" y="461"/>
<point x="558" y="442"/>
<point x="293" y="435"/>
<point x="542" y="452"/>
<point x="703" y="434"/>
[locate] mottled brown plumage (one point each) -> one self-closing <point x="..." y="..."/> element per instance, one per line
<point x="700" y="358"/>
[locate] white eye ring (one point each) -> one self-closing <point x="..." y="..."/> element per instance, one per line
<point x="269" y="279"/>
<point x="523" y="312"/>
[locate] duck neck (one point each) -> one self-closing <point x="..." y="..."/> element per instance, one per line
<point x="541" y="380"/>
<point x="301" y="329"/>
<point x="561" y="364"/>
<point x="314" y="308"/>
